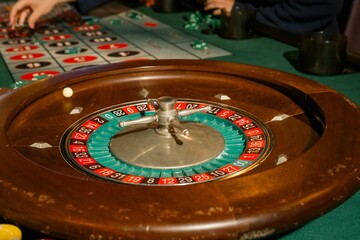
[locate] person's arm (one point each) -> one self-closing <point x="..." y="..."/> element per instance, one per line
<point x="297" y="16"/>
<point x="217" y="5"/>
<point x="31" y="10"/>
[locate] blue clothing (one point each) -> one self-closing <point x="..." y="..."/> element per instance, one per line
<point x="296" y="16"/>
<point x="86" y="5"/>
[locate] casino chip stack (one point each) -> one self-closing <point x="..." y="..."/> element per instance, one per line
<point x="193" y="21"/>
<point x="66" y="41"/>
<point x="199" y="45"/>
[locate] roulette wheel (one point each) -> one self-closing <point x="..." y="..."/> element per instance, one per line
<point x="170" y="149"/>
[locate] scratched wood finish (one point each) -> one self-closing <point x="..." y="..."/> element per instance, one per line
<point x="41" y="191"/>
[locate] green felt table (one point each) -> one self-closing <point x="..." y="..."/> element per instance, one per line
<point x="342" y="222"/>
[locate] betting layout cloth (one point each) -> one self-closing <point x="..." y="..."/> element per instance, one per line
<point x="64" y="41"/>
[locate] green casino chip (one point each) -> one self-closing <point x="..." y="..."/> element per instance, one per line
<point x="199" y="45"/>
<point x="72" y="50"/>
<point x="134" y="15"/>
<point x="115" y="22"/>
<point x="18" y="84"/>
<point x="89" y="20"/>
<point x="191" y="26"/>
<point x="40" y="77"/>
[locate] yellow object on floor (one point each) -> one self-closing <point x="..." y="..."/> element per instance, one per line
<point x="9" y="232"/>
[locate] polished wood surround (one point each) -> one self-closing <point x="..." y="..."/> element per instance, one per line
<point x="41" y="191"/>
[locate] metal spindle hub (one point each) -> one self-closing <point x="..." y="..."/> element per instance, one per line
<point x="166" y="117"/>
<point x="163" y="141"/>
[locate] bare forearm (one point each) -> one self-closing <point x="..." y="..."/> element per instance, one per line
<point x="31" y="11"/>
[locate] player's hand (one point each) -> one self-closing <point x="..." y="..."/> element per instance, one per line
<point x="217" y="5"/>
<point x="30" y="11"/>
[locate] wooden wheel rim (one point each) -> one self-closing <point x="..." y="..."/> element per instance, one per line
<point x="265" y="201"/>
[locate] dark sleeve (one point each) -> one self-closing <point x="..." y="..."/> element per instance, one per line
<point x="86" y="5"/>
<point x="297" y="16"/>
